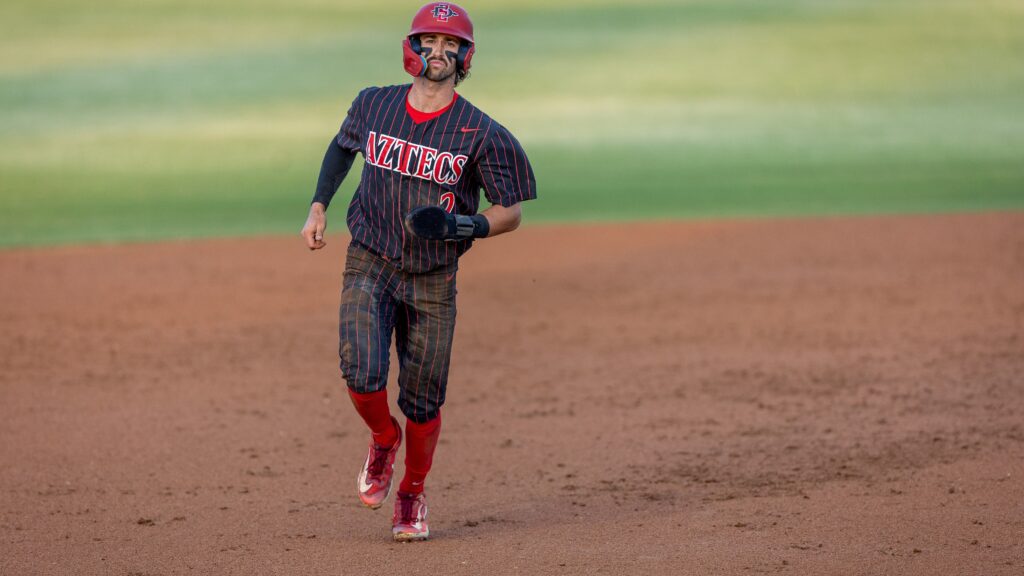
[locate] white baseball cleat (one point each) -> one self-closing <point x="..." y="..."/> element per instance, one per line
<point x="410" y="521"/>
<point x="374" y="480"/>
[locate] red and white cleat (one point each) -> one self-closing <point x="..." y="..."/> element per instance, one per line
<point x="410" y="521"/>
<point x="374" y="481"/>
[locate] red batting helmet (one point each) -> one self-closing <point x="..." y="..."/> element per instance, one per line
<point x="440" y="18"/>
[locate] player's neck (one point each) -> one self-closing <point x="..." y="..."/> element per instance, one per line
<point x="429" y="96"/>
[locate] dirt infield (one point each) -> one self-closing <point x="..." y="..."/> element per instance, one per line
<point x="835" y="396"/>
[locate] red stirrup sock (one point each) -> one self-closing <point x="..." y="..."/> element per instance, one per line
<point x="419" y="453"/>
<point x="373" y="407"/>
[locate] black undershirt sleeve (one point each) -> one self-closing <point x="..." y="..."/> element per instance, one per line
<point x="337" y="163"/>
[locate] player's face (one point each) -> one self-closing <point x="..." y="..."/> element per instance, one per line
<point x="440" y="67"/>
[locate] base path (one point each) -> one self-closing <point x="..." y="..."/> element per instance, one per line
<point x="834" y="396"/>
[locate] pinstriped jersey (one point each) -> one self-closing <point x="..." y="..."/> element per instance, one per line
<point x="443" y="161"/>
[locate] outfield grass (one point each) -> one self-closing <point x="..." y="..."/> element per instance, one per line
<point x="136" y="121"/>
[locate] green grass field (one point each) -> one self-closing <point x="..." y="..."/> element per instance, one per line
<point x="126" y="120"/>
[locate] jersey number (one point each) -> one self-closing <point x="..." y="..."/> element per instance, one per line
<point x="448" y="202"/>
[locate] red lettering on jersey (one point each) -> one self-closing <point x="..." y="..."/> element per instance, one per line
<point x="405" y="167"/>
<point x="414" y="159"/>
<point x="442" y="165"/>
<point x="399" y="156"/>
<point x="425" y="165"/>
<point x="386" y="143"/>
<point x="457" y="165"/>
<point x="371" y="148"/>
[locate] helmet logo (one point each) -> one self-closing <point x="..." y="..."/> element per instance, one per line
<point x="442" y="12"/>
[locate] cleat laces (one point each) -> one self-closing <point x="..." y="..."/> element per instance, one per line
<point x="405" y="511"/>
<point x="378" y="462"/>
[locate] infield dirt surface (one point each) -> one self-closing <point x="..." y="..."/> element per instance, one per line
<point x="829" y="396"/>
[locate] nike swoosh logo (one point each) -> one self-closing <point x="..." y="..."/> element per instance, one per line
<point x="363" y="486"/>
<point x="465" y="130"/>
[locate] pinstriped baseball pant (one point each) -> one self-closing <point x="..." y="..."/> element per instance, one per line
<point x="378" y="301"/>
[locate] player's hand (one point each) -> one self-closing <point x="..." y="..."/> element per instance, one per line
<point x="434" y="223"/>
<point x="315" y="226"/>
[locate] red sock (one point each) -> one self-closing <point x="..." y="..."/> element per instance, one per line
<point x="419" y="453"/>
<point x="373" y="407"/>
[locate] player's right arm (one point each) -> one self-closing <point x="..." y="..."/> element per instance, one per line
<point x="341" y="152"/>
<point x="336" y="164"/>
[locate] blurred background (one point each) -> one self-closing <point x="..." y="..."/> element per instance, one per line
<point x="151" y="119"/>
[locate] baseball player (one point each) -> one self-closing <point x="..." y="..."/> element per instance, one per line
<point x="427" y="154"/>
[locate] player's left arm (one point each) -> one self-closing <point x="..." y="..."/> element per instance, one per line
<point x="507" y="178"/>
<point x="434" y="223"/>
<point x="503" y="219"/>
